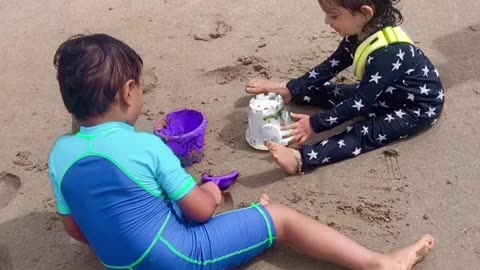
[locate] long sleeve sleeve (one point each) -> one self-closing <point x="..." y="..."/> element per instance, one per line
<point x="317" y="77"/>
<point x="382" y="70"/>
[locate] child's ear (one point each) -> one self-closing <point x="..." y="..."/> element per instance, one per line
<point x="128" y="91"/>
<point x="368" y="12"/>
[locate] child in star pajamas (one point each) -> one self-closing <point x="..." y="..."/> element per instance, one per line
<point x="399" y="93"/>
<point x="125" y="194"/>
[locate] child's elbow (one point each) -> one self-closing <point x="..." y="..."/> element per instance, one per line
<point x="203" y="216"/>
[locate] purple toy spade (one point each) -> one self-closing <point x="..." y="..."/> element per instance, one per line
<point x="184" y="132"/>
<point x="224" y="181"/>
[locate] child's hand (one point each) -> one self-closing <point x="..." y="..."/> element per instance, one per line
<point x="214" y="190"/>
<point x="301" y="130"/>
<point x="260" y="86"/>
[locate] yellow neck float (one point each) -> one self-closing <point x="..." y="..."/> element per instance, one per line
<point x="381" y="39"/>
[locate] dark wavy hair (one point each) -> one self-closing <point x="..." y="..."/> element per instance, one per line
<point x="91" y="70"/>
<point x="386" y="14"/>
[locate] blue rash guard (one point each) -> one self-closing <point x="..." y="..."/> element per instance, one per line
<point x="121" y="188"/>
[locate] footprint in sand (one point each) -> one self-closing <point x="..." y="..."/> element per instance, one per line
<point x="150" y="80"/>
<point x="9" y="185"/>
<point x="209" y="27"/>
<point x="5" y="259"/>
<point x="245" y="67"/>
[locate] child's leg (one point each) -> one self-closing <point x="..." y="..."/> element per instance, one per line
<point x="322" y="242"/>
<point x="362" y="137"/>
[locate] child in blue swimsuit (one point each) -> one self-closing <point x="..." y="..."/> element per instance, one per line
<point x="125" y="194"/>
<point x="399" y="93"/>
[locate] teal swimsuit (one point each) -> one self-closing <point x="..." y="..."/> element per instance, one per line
<point x="121" y="188"/>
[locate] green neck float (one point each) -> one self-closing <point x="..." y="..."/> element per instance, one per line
<point x="381" y="39"/>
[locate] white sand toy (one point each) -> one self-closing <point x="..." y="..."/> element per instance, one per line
<point x="267" y="116"/>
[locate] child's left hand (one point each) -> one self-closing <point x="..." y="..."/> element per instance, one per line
<point x="301" y="130"/>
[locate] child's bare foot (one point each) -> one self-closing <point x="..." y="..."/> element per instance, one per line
<point x="286" y="158"/>
<point x="260" y="86"/>
<point x="406" y="258"/>
<point x="264" y="200"/>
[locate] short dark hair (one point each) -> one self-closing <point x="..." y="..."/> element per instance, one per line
<point x="91" y="70"/>
<point x="386" y="14"/>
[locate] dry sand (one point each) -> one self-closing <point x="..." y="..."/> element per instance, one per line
<point x="198" y="54"/>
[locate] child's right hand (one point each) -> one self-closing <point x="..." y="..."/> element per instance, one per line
<point x="214" y="190"/>
<point x="260" y="86"/>
<point x="200" y="205"/>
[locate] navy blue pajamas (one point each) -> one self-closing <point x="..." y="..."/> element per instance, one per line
<point x="400" y="95"/>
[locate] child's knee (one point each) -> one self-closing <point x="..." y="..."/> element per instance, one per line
<point x="281" y="215"/>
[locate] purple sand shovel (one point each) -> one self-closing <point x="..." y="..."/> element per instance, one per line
<point x="223" y="181"/>
<point x="184" y="132"/>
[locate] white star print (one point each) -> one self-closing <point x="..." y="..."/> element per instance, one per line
<point x="389" y="118"/>
<point x="349" y="128"/>
<point x="410" y="71"/>
<point x="313" y="74"/>
<point x="383" y="104"/>
<point x="425" y="71"/>
<point x="401" y="54"/>
<point x="357" y="151"/>
<point x="417" y="112"/>
<point x="404" y="82"/>
<point x="434" y="121"/>
<point x="371" y="115"/>
<point x="307" y="99"/>
<point x="313" y="155"/>
<point x="346" y="39"/>
<point x="424" y="90"/>
<point x="396" y="65"/>
<point x="440" y="94"/>
<point x="370" y="58"/>
<point x="411" y="96"/>
<point x="375" y="78"/>
<point x="358" y="105"/>
<point x="364" y="130"/>
<point x="310" y="87"/>
<point x="400" y="113"/>
<point x="334" y="62"/>
<point x="327" y="83"/>
<point x="413" y="51"/>
<point x="436" y="72"/>
<point x="346" y="49"/>
<point x="326" y="160"/>
<point x="390" y="89"/>
<point x="332" y="120"/>
<point x="381" y="138"/>
<point x="331" y="102"/>
<point x="324" y="142"/>
<point x="403" y="137"/>
<point x="336" y="91"/>
<point x="430" y="112"/>
<point x="341" y="143"/>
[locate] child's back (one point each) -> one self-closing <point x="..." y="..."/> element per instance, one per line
<point x="108" y="174"/>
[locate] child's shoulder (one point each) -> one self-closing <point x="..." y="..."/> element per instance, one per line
<point x="147" y="137"/>
<point x="146" y="141"/>
<point x="63" y="141"/>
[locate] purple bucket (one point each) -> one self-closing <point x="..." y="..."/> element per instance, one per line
<point x="184" y="132"/>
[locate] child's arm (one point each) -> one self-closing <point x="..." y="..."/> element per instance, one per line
<point x="380" y="74"/>
<point x="200" y="204"/>
<point x="72" y="229"/>
<point x="317" y="77"/>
